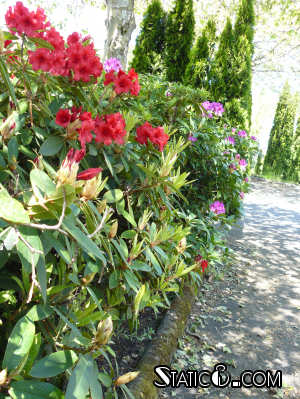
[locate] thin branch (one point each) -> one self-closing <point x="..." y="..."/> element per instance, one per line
<point x="101" y="224"/>
<point x="56" y="226"/>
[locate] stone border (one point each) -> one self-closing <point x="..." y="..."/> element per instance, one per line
<point x="163" y="345"/>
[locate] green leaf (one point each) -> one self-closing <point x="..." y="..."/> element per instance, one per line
<point x="95" y="386"/>
<point x="78" y="386"/>
<point x="33" y="353"/>
<point x="63" y="252"/>
<point x="82" y="239"/>
<point x="105" y="379"/>
<point x="40" y="42"/>
<point x="129" y="234"/>
<point x="31" y="235"/>
<point x="138" y="298"/>
<point x="42" y="181"/>
<point x="42" y="277"/>
<point x="114" y="279"/>
<point x="39" y="312"/>
<point x="132" y="280"/>
<point x="54" y="364"/>
<point x="13" y="150"/>
<point x="13" y="211"/>
<point x="51" y="146"/>
<point x="34" y="390"/>
<point x="11" y="239"/>
<point x="7" y="81"/>
<point x="113" y="195"/>
<point x="19" y="343"/>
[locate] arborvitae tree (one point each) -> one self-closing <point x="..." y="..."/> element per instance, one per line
<point x="279" y="154"/>
<point x="197" y="73"/>
<point x="151" y="40"/>
<point x="179" y="39"/>
<point x="244" y="49"/>
<point x="231" y="72"/>
<point x="295" y="169"/>
<point x="259" y="163"/>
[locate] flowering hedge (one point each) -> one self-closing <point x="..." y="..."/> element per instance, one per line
<point x="111" y="186"/>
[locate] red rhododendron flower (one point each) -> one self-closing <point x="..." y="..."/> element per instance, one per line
<point x="109" y="77"/>
<point x="156" y="135"/>
<point x="135" y="88"/>
<point x="204" y="264"/>
<point x="20" y="20"/>
<point x="89" y="173"/>
<point x="7" y="43"/>
<point x="63" y="117"/>
<point x="85" y="132"/>
<point x="110" y="128"/>
<point x="40" y="59"/>
<point x="123" y="83"/>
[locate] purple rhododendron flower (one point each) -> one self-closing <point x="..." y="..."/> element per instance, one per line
<point x="237" y="157"/>
<point x="230" y="140"/>
<point x="217" y="207"/>
<point x="246" y="179"/>
<point x="253" y="138"/>
<point x="192" y="138"/>
<point x="242" y="195"/>
<point x="232" y="166"/>
<point x="243" y="163"/>
<point x="168" y="93"/>
<point x="226" y="152"/>
<point x="242" y="133"/>
<point x="233" y="130"/>
<point x="112" y="64"/>
<point x="212" y="108"/>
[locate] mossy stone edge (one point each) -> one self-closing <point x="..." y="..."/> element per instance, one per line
<point x="163" y="345"/>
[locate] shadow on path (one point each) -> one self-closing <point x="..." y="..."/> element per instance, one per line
<point x="251" y="320"/>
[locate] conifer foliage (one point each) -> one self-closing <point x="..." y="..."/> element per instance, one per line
<point x="151" y="41"/>
<point x="197" y="73"/>
<point x="231" y="71"/>
<point x="279" y="154"/>
<point x="295" y="167"/>
<point x="179" y="39"/>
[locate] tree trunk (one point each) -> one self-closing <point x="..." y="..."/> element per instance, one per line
<point x="120" y="24"/>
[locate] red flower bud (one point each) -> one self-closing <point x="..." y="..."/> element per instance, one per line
<point x="88" y="173"/>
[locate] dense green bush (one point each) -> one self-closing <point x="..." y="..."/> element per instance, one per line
<point x="197" y="73"/>
<point x="278" y="158"/>
<point x="179" y="39"/>
<point x="150" y="44"/>
<point x="84" y="252"/>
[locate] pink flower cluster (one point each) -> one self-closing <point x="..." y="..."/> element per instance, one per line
<point x="217" y="207"/>
<point x="77" y="59"/>
<point x="112" y="64"/>
<point x="242" y="133"/>
<point x="230" y="140"/>
<point x="212" y="108"/>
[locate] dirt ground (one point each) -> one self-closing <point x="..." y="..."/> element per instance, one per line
<point x="250" y="320"/>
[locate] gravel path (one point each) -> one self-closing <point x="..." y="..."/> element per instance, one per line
<point x="251" y="319"/>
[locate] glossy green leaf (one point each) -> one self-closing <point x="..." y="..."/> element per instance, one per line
<point x="53" y="364"/>
<point x="41" y="42"/>
<point x="34" y="390"/>
<point x="113" y="196"/>
<point x="42" y="181"/>
<point x="7" y="81"/>
<point x="51" y="146"/>
<point x="78" y="386"/>
<point x="19" y="343"/>
<point x="27" y="257"/>
<point x="13" y="211"/>
<point x="39" y="312"/>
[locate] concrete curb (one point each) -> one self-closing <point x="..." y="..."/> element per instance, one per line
<point x="163" y="345"/>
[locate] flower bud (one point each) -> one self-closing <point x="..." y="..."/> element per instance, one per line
<point x="104" y="331"/>
<point x="67" y="173"/>
<point x="3" y="377"/>
<point x="113" y="230"/>
<point x="126" y="378"/>
<point x="101" y="207"/>
<point x="72" y="129"/>
<point x="90" y="189"/>
<point x="1" y="40"/>
<point x="88" y="278"/>
<point x="181" y="247"/>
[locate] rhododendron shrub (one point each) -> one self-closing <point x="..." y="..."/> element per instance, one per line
<point x="100" y="190"/>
